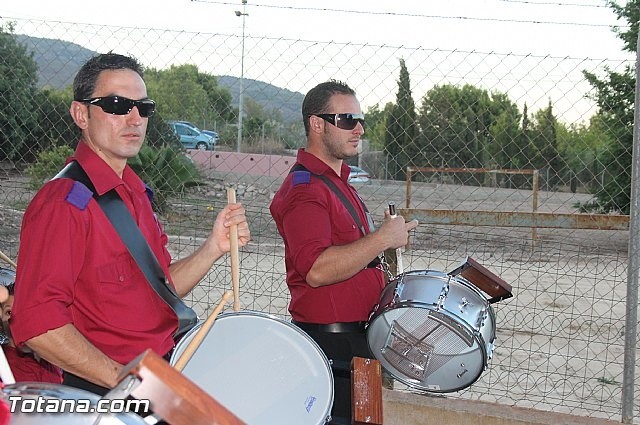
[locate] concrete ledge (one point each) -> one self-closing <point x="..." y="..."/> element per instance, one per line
<point x="402" y="408"/>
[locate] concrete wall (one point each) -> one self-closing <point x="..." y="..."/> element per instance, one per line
<point x="402" y="408"/>
<point x="243" y="163"/>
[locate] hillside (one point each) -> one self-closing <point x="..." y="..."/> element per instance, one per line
<point x="58" y="61"/>
<point x="286" y="102"/>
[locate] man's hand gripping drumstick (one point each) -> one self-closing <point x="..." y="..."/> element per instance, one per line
<point x="235" y="261"/>
<point x="399" y="264"/>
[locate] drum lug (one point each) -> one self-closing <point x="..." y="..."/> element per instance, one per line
<point x="490" y="348"/>
<point x="375" y="309"/>
<point x="462" y="372"/>
<point x="482" y="317"/>
<point x="443" y="296"/>
<point x="464" y="302"/>
<point x="398" y="291"/>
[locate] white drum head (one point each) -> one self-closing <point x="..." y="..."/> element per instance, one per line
<point x="264" y="370"/>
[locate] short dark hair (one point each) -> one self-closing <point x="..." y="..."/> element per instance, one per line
<point x="317" y="99"/>
<point x="84" y="83"/>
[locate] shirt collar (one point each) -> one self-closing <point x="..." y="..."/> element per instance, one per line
<point x="317" y="166"/>
<point x="101" y="174"/>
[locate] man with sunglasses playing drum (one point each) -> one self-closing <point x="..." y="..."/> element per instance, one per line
<point x="331" y="248"/>
<point x="81" y="300"/>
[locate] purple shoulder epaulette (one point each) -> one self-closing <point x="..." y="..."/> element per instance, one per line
<point x="300" y="177"/>
<point x="79" y="196"/>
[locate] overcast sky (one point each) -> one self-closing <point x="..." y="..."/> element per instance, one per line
<point x="576" y="28"/>
<point x="443" y="42"/>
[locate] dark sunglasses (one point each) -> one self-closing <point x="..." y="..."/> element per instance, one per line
<point x="343" y="121"/>
<point x="118" y="105"/>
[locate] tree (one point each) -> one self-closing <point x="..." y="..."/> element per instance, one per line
<point x="581" y="146"/>
<point x="506" y="150"/>
<point x="183" y="93"/>
<point x="614" y="96"/>
<point x="18" y="108"/>
<point x="544" y="145"/>
<point x="376" y="122"/>
<point x="402" y="131"/>
<point x="55" y="126"/>
<point x="467" y="127"/>
<point x="219" y="100"/>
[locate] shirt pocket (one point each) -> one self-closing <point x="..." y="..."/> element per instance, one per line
<point x="124" y="299"/>
<point x="117" y="273"/>
<point x="345" y="229"/>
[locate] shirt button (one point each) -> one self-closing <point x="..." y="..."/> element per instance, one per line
<point x="121" y="278"/>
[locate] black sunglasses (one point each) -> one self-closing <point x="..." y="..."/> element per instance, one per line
<point x="343" y="121"/>
<point x="118" y="105"/>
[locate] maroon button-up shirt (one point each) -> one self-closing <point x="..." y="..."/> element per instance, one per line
<point x="74" y="268"/>
<point x="311" y="218"/>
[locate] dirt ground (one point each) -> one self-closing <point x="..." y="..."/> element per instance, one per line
<point x="195" y="210"/>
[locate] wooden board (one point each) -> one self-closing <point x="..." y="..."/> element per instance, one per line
<point x="366" y="391"/>
<point x="484" y="279"/>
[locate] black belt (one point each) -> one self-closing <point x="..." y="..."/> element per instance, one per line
<point x="334" y="328"/>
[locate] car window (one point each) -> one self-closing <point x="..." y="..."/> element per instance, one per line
<point x="185" y="131"/>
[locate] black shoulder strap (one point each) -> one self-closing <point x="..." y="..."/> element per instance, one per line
<point x="128" y="230"/>
<point x="348" y="205"/>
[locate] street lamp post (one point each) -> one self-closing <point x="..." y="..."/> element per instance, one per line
<point x="240" y="95"/>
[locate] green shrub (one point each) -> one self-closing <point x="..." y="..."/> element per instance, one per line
<point x="167" y="170"/>
<point x="48" y="164"/>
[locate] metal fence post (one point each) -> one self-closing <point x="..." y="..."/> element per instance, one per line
<point x="631" y="317"/>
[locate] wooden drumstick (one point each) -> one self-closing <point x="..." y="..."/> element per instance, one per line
<point x="235" y="262"/>
<point x="8" y="260"/>
<point x="399" y="265"/>
<point x="202" y="332"/>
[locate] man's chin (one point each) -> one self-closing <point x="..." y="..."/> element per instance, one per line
<point x="132" y="150"/>
<point x="349" y="154"/>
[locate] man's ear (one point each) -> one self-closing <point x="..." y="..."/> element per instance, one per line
<point x="316" y="123"/>
<point x="80" y="114"/>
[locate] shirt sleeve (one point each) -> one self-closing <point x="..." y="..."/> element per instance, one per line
<point x="307" y="226"/>
<point x="52" y="247"/>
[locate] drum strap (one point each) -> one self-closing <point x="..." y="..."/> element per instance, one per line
<point x="347" y="204"/>
<point x="121" y="219"/>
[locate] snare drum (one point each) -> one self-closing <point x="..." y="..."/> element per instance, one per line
<point x="70" y="405"/>
<point x="432" y="331"/>
<point x="263" y="369"/>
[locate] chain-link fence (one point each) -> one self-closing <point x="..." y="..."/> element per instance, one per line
<point x="560" y="339"/>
